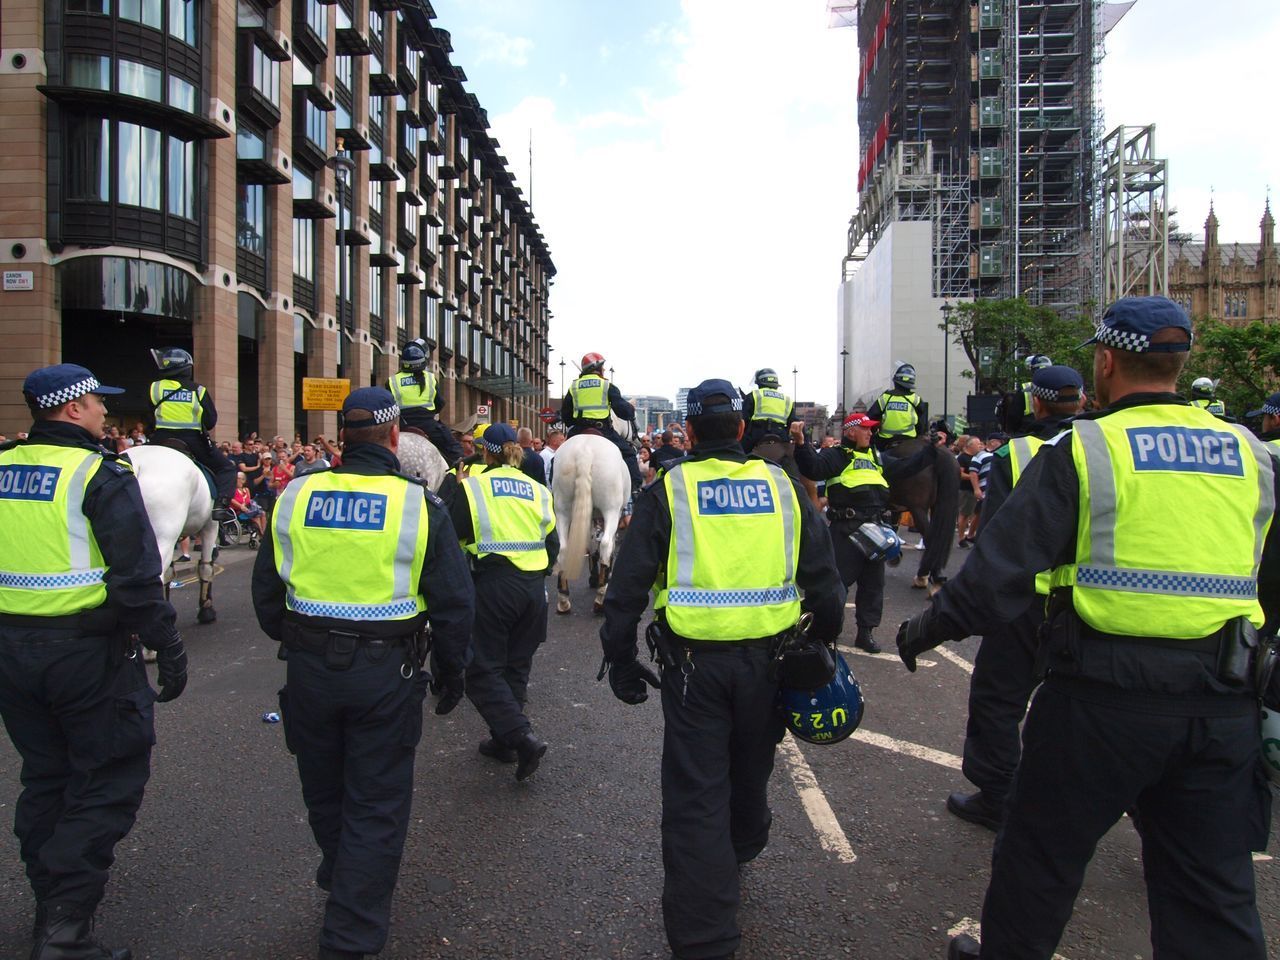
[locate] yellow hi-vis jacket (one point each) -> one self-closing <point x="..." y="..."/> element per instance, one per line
<point x="511" y="516"/>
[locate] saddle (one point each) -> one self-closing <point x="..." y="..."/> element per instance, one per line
<point x="772" y="448"/>
<point x="418" y="430"/>
<point x="588" y="432"/>
<point x="177" y="443"/>
<point x="901" y="467"/>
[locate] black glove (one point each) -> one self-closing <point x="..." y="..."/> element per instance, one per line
<point x="627" y="680"/>
<point x="454" y="686"/>
<point x="917" y="635"/>
<point x="171" y="662"/>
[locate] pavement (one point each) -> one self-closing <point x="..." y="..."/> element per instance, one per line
<point x="864" y="861"/>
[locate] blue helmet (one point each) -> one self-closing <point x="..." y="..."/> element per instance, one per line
<point x="173" y="361"/>
<point x="826" y="715"/>
<point x="767" y="377"/>
<point x="877" y="541"/>
<point x="904" y="378"/>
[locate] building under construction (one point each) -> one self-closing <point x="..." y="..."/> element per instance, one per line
<point x="979" y="117"/>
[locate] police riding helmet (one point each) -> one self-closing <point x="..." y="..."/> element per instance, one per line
<point x="767" y="377"/>
<point x="1202" y="388"/>
<point x="826" y="715"/>
<point x="414" y="357"/>
<point x="1038" y="361"/>
<point x="592" y="362"/>
<point x="174" y="361"/>
<point x="876" y="541"/>
<point x="904" y="377"/>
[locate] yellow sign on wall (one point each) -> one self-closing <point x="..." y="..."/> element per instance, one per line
<point x="324" y="393"/>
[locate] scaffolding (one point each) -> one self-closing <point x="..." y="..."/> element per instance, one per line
<point x="1135" y="219"/>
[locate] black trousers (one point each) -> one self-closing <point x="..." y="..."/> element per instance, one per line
<point x="1002" y="683"/>
<point x="510" y="625"/>
<point x="717" y="756"/>
<point x="854" y="568"/>
<point x="354" y="733"/>
<point x="208" y="455"/>
<point x="605" y="427"/>
<point x="84" y="728"/>
<point x="1204" y="804"/>
<point x="436" y="432"/>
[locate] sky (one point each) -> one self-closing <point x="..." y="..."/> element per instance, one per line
<point x="694" y="162"/>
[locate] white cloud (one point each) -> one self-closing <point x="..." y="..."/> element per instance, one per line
<point x="494" y="46"/>
<point x="701" y="233"/>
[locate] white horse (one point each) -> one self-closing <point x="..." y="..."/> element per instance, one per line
<point x="178" y="502"/>
<point x="588" y="479"/>
<point x="420" y="458"/>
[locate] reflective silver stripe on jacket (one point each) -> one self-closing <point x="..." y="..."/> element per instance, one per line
<point x="79" y="572"/>
<point x="485" y="541"/>
<point x="157" y="401"/>
<point x="681" y="589"/>
<point x="1102" y="573"/>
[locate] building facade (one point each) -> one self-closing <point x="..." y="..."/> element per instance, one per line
<point x="1236" y="282"/>
<point x="288" y="190"/>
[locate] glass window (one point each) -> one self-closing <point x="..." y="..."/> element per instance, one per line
<point x="139" y="80"/>
<point x="182" y="178"/>
<point x="303" y="186"/>
<point x="375" y="25"/>
<point x="182" y="20"/>
<point x="266" y="75"/>
<point x="84" y="70"/>
<point x="342" y="117"/>
<point x="375" y="109"/>
<point x="251" y="218"/>
<point x="409" y="60"/>
<point x="375" y="291"/>
<point x="139" y="160"/>
<point x="249" y="144"/>
<point x="318" y="19"/>
<point x="409" y="219"/>
<point x="302" y="75"/>
<point x="146" y="12"/>
<point x="89" y="6"/>
<point x="402" y="306"/>
<point x="88" y="159"/>
<point x="304" y="249"/>
<point x="341" y="19"/>
<point x="375" y="196"/>
<point x="317" y="126"/>
<point x="342" y="68"/>
<point x="182" y="94"/>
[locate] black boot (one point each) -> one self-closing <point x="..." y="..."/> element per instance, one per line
<point x="222" y="511"/>
<point x="529" y="751"/>
<point x="496" y="751"/>
<point x="977" y="808"/>
<point x="963" y="947"/>
<point x="865" y="641"/>
<point x="328" y="953"/>
<point x="68" y="935"/>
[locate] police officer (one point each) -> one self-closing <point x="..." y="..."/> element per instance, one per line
<point x="857" y="493"/>
<point x="184" y="411"/>
<point x="1204" y="394"/>
<point x="1014" y="409"/>
<point x="587" y="405"/>
<point x="728" y="542"/>
<point x="79" y="588"/>
<point x="899" y="410"/>
<point x="415" y="389"/>
<point x="1004" y="674"/>
<point x="360" y="558"/>
<point x="506" y="524"/>
<point x="1147" y="701"/>
<point x="1269" y="573"/>
<point x="766" y="410"/>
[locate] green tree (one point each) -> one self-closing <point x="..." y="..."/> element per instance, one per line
<point x="997" y="335"/>
<point x="1245" y="359"/>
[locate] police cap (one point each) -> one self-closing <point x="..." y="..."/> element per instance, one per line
<point x="1271" y="406"/>
<point x="53" y="386"/>
<point x="369" y="406"/>
<point x="714" y="396"/>
<point x="1131" y="322"/>
<point x="860" y="420"/>
<point x="495" y="435"/>
<point x="1057" y="383"/>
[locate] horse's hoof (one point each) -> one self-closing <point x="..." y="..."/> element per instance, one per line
<point x="934" y="588"/>
<point x="919" y="583"/>
<point x="561" y="610"/>
<point x="593" y="581"/>
<point x="148" y="655"/>
<point x="206" y="615"/>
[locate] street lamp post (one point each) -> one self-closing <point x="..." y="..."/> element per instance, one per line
<point x="795" y="373"/>
<point x="946" y="309"/>
<point x="844" y="380"/>
<point x="562" y="378"/>
<point x="343" y="167"/>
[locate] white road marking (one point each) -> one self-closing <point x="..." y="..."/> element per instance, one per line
<point x="883" y="656"/>
<point x="908" y="749"/>
<point x="830" y="834"/>
<point x="955" y="658"/>
<point x="974" y="929"/>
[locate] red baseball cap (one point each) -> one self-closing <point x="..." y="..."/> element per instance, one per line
<point x="860" y="420"/>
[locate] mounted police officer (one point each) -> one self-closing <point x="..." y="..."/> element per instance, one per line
<point x="360" y="559"/>
<point x="766" y="410"/>
<point x="587" y="405"/>
<point x="857" y="493"/>
<point x="1204" y="394"/>
<point x="729" y="542"/>
<point x="79" y="588"/>
<point x="415" y="390"/>
<point x="1269" y="574"/>
<point x="899" y="410"/>
<point x="1148" y="701"/>
<point x="1004" y="673"/>
<point x="184" y="411"/>
<point x="1015" y="411"/>
<point x="506" y="525"/>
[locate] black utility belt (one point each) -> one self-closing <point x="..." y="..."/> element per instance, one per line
<point x="704" y="645"/>
<point x="99" y="620"/>
<point x="1210" y="644"/>
<point x="311" y="640"/>
<point x="866" y="515"/>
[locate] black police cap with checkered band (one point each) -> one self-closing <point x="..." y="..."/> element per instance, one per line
<point x="369" y="406"/>
<point x="698" y="401"/>
<point x="1130" y="323"/>
<point x="53" y="386"/>
<point x="1056" y="383"/>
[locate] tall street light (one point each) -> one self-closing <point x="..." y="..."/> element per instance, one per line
<point x="795" y="373"/>
<point x="946" y="309"/>
<point x="562" y="378"/>
<point x="844" y="379"/>
<point x="343" y="168"/>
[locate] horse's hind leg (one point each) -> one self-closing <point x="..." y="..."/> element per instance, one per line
<point x="208" y="539"/>
<point x="562" y="595"/>
<point x="608" y="541"/>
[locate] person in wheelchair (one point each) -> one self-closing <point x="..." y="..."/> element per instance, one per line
<point x="246" y="511"/>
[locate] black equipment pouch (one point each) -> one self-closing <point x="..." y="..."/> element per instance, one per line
<point x="340" y="651"/>
<point x="1239" y="640"/>
<point x="800" y="663"/>
<point x="662" y="649"/>
<point x="1266" y="676"/>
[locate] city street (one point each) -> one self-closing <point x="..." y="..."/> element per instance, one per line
<point x="864" y="860"/>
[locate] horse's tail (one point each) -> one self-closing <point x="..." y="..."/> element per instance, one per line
<point x="943" y="515"/>
<point x="575" y="550"/>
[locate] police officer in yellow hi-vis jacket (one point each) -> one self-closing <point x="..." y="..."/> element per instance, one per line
<point x="729" y="543"/>
<point x="359" y="559"/>
<point x="1152" y="516"/>
<point x="416" y="393"/>
<point x="79" y="588"/>
<point x="507" y="527"/>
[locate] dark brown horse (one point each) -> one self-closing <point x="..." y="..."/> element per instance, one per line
<point x="924" y="479"/>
